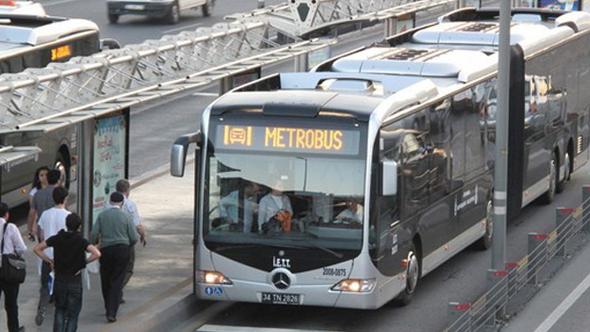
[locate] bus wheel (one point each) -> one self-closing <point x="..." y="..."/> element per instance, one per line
<point x="173" y="15"/>
<point x="486" y="240"/>
<point x="412" y="277"/>
<point x="113" y="18"/>
<point x="566" y="166"/>
<point x="549" y="195"/>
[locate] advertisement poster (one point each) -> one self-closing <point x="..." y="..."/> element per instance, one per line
<point x="109" y="160"/>
<point x="560" y="4"/>
<point x="404" y="23"/>
<point x="318" y="56"/>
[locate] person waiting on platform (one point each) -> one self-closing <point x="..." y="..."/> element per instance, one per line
<point x="275" y="211"/>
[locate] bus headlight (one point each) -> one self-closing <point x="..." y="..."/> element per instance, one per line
<point x="213" y="278"/>
<point x="355" y="285"/>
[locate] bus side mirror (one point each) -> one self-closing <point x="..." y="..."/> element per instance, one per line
<point x="109" y="44"/>
<point x="389" y="178"/>
<point x="179" y="150"/>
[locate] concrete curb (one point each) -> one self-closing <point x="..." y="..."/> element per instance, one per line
<point x="155" y="173"/>
<point x="175" y="305"/>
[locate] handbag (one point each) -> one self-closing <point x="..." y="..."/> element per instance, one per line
<point x="13" y="268"/>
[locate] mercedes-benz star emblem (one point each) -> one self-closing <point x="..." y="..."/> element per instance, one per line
<point x="281" y="280"/>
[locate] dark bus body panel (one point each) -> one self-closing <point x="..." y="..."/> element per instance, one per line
<point x="58" y="146"/>
<point x="445" y="178"/>
<point x="564" y="72"/>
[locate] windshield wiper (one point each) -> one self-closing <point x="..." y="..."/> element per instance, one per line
<point x="322" y="248"/>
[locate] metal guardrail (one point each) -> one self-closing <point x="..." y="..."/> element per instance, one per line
<point x="299" y="17"/>
<point x="510" y="289"/>
<point x="85" y="87"/>
<point x="36" y="95"/>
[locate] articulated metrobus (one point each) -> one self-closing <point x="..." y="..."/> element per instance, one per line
<point x="34" y="41"/>
<point x="344" y="186"/>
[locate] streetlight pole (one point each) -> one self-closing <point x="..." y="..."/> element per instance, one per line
<point x="501" y="163"/>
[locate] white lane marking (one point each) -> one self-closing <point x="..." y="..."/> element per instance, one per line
<point x="206" y="94"/>
<point x="59" y="2"/>
<point x="224" y="328"/>
<point x="500" y="195"/>
<point x="182" y="28"/>
<point x="564" y="306"/>
<point x="499" y="210"/>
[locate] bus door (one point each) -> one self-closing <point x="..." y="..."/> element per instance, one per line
<point x="537" y="152"/>
<point x="471" y="181"/>
<point x="387" y="235"/>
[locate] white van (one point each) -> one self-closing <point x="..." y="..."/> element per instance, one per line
<point x="167" y="9"/>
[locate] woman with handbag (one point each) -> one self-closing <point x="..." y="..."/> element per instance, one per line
<point x="11" y="243"/>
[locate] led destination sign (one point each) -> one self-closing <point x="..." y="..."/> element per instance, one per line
<point x="288" y="139"/>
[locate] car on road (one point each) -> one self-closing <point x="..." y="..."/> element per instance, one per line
<point x="21" y="7"/>
<point x="169" y="10"/>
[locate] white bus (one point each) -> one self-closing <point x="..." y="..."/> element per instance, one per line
<point x="344" y="186"/>
<point x="33" y="41"/>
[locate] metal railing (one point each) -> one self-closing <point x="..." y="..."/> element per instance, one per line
<point x="299" y="17"/>
<point x="510" y="289"/>
<point x="85" y="87"/>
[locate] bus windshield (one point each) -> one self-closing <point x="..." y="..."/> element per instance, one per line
<point x="276" y="192"/>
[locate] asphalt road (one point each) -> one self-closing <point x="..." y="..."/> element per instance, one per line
<point x="133" y="29"/>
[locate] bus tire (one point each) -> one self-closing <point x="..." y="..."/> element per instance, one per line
<point x="485" y="242"/>
<point x="549" y="195"/>
<point x="412" y="277"/>
<point x="113" y="18"/>
<point x="567" y="169"/>
<point x="173" y="15"/>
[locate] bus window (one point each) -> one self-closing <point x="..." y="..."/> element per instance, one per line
<point x="440" y="134"/>
<point x="474" y="146"/>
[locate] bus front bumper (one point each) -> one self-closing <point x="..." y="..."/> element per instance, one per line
<point x="308" y="295"/>
<point x="148" y="8"/>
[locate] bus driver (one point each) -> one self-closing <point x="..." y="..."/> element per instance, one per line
<point x="275" y="211"/>
<point x="229" y="207"/>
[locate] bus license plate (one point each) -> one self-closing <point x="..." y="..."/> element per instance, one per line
<point x="276" y="298"/>
<point x="134" y="7"/>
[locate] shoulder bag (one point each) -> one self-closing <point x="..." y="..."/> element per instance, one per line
<point x="13" y="268"/>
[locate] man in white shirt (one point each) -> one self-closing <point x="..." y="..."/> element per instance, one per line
<point x="51" y="222"/>
<point x="124" y="187"/>
<point x="352" y="214"/>
<point x="271" y="205"/>
<point x="13" y="243"/>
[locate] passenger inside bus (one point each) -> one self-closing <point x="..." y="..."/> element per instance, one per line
<point x="275" y="211"/>
<point x="232" y="204"/>
<point x="352" y="214"/>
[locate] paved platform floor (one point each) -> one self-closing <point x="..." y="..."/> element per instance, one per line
<point x="162" y="267"/>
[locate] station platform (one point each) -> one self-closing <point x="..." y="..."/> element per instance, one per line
<point x="163" y="268"/>
<point x="561" y="304"/>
